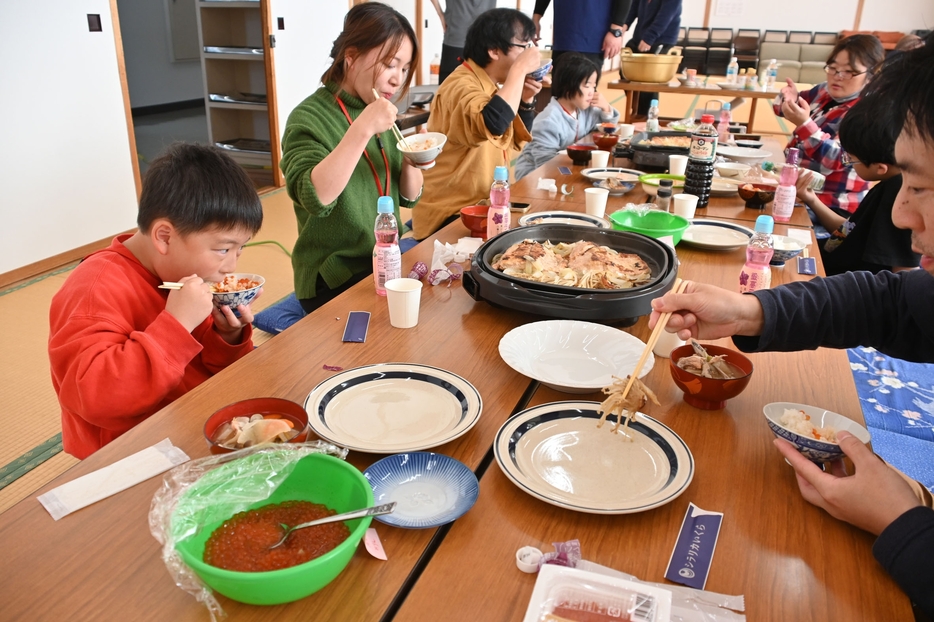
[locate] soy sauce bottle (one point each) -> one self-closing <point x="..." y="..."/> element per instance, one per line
<point x="698" y="176"/>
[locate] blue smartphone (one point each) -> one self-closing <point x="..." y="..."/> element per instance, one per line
<point x="358" y="322"/>
<point x="564" y="170"/>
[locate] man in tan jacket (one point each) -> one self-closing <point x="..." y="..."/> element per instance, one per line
<point x="480" y="108"/>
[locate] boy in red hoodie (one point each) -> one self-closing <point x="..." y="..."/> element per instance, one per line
<point x="121" y="348"/>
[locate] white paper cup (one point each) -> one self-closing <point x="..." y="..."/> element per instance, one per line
<point x="595" y="201"/>
<point x="666" y="343"/>
<point x="625" y="130"/>
<point x="677" y="164"/>
<point x="599" y="159"/>
<point x="403" y="296"/>
<point x="685" y="205"/>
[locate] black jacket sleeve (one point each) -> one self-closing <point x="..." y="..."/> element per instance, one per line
<point x="498" y="115"/>
<point x="906" y="550"/>
<point x="620" y="11"/>
<point x="540" y="7"/>
<point x="890" y="312"/>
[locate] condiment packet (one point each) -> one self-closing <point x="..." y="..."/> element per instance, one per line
<point x="373" y="544"/>
<point x="693" y="552"/>
<point x="112" y="479"/>
<point x="547" y="184"/>
<point x="565" y="554"/>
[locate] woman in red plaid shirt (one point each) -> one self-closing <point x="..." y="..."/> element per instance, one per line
<point x="817" y="114"/>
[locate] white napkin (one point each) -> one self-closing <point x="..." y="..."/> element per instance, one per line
<point x="546" y="184"/>
<point x="802" y="235"/>
<point x="112" y="479"/>
<point x="467" y="246"/>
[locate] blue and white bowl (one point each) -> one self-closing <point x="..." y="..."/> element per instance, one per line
<point x="430" y="489"/>
<point x="243" y="297"/>
<point x="542" y="71"/>
<point x="786" y="247"/>
<point x="814" y="450"/>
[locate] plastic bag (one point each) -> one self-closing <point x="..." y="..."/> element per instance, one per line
<point x="251" y="475"/>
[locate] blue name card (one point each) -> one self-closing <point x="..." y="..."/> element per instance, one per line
<point x="693" y="552"/>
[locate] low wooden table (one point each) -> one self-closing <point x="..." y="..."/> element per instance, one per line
<point x="633" y="89"/>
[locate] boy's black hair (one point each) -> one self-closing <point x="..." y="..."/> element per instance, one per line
<point x="495" y="30"/>
<point x="571" y="70"/>
<point x="197" y="187"/>
<point x="906" y="83"/>
<point x="867" y="131"/>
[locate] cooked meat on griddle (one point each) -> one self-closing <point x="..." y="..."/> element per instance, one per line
<point x="518" y="255"/>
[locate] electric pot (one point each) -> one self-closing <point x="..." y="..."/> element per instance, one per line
<point x="645" y="155"/>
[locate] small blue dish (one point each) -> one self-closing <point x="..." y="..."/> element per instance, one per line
<point x="430" y="489"/>
<point x="540" y="73"/>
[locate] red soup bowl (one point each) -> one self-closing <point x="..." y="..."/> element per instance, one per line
<point x="580" y="154"/>
<point x="474" y="218"/>
<point x="266" y="406"/>
<point x="604" y="141"/>
<point x="709" y="393"/>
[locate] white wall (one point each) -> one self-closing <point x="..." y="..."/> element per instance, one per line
<point x="153" y="77"/>
<point x="906" y="15"/>
<point x="66" y="167"/>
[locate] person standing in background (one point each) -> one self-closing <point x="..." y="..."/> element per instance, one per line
<point x="456" y="18"/>
<point x="657" y="25"/>
<point x="592" y="27"/>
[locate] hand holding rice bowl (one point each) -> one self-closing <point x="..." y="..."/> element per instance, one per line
<point x="422" y="149"/>
<point x="816" y="450"/>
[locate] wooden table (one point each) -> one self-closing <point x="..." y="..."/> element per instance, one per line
<point x="789" y="559"/>
<point x="633" y="89"/>
<point x="525" y="190"/>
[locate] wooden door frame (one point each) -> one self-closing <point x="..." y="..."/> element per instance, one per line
<point x="125" y="91"/>
<point x="272" y="109"/>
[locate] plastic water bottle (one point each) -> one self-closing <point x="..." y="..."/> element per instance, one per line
<point x="771" y="75"/>
<point x="723" y="127"/>
<point x="756" y="273"/>
<point x="698" y="176"/>
<point x="387" y="258"/>
<point x="732" y="71"/>
<point x="651" y="124"/>
<point x="434" y="70"/>
<point x="784" y="203"/>
<point x="497" y="219"/>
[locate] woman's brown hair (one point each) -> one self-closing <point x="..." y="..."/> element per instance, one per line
<point x="866" y="50"/>
<point x="369" y="26"/>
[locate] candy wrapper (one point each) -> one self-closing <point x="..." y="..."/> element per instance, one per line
<point x="419" y="269"/>
<point x="565" y="554"/>
<point x="446" y="260"/>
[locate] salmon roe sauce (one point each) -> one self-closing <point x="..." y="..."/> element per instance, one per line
<point x="242" y="542"/>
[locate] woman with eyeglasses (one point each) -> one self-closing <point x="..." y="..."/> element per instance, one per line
<point x="818" y="112"/>
<point x="339" y="155"/>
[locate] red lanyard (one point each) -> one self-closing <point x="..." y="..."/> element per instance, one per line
<point x="577" y="119"/>
<point x="505" y="155"/>
<point x="379" y="142"/>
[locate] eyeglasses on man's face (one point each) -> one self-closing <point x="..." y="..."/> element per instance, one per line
<point x="846" y="74"/>
<point x="524" y="46"/>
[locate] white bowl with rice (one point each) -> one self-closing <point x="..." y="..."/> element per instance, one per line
<point x="422" y="149"/>
<point x="811" y="430"/>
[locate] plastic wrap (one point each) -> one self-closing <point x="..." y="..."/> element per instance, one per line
<point x="250" y="476"/>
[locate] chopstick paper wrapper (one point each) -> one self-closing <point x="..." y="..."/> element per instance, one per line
<point x="693" y="552"/>
<point x="112" y="479"/>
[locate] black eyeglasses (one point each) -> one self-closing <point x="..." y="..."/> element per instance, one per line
<point x="846" y="74"/>
<point x="524" y="46"/>
<point x="848" y="160"/>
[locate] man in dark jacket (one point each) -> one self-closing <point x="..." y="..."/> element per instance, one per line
<point x="658" y="23"/>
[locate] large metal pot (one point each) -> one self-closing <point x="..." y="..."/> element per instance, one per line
<point x="660" y="68"/>
<point x="625" y="306"/>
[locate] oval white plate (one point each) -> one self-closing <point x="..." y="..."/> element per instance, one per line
<point x="556" y="453"/>
<point x="597" y="174"/>
<point x="572" y="356"/>
<point x="744" y="155"/>
<point x="562" y="218"/>
<point x="722" y="188"/>
<point x="393" y="407"/>
<point x="429" y="489"/>
<point x="716" y="235"/>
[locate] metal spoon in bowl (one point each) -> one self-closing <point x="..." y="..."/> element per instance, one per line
<point x="376" y="510"/>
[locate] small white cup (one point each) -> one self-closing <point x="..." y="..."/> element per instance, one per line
<point x="403" y="296"/>
<point x="677" y="164"/>
<point x="625" y="130"/>
<point x="685" y="205"/>
<point x="595" y="201"/>
<point x="599" y="159"/>
<point x="666" y="343"/>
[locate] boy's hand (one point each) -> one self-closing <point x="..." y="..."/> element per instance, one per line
<point x="228" y="325"/>
<point x="191" y="304"/>
<point x="802" y="189"/>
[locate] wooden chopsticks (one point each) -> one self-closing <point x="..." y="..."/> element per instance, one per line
<point x="171" y="285"/>
<point x="679" y="287"/>
<point x="395" y="130"/>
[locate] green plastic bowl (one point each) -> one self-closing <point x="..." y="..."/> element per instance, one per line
<point x="654" y="223"/>
<point x="319" y="478"/>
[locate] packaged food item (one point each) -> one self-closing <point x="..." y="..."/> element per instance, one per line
<point x="565" y="594"/>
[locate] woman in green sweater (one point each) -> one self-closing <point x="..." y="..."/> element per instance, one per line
<point x="339" y="155"/>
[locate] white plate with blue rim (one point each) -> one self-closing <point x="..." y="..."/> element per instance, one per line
<point x="716" y="235"/>
<point x="556" y="453"/>
<point x="429" y="489"/>
<point x="623" y="174"/>
<point x="563" y="218"/>
<point x="393" y="407"/>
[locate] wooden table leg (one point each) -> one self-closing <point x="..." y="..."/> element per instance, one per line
<point x="632" y="104"/>
<point x="752" y="115"/>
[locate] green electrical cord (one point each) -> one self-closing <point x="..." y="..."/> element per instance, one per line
<point x="257" y="243"/>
